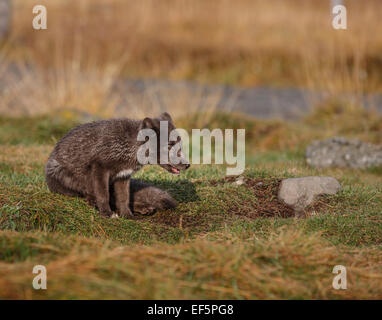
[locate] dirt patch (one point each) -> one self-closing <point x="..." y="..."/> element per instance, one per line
<point x="265" y="203"/>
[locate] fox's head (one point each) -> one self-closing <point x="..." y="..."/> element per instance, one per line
<point x="167" y="146"/>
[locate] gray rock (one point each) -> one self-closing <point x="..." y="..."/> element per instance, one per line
<point x="239" y="181"/>
<point x="342" y="152"/>
<point x="301" y="192"/>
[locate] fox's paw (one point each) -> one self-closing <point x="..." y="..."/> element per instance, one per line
<point x="106" y="213"/>
<point x="126" y="213"/>
<point x="91" y="201"/>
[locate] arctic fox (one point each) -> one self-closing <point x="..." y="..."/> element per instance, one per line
<point x="96" y="160"/>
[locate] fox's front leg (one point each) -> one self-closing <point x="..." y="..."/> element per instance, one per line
<point x="122" y="197"/>
<point x="100" y="182"/>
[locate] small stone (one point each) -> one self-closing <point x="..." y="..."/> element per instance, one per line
<point x="342" y="152"/>
<point x="239" y="181"/>
<point x="301" y="192"/>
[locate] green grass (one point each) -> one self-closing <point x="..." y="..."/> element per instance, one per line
<point x="353" y="216"/>
<point x="37" y="130"/>
<point x="213" y="245"/>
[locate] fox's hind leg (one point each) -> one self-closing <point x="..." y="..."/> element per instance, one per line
<point x="59" y="180"/>
<point x="55" y="186"/>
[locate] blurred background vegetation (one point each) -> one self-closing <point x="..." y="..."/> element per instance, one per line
<point x="249" y="43"/>
<point x="70" y="69"/>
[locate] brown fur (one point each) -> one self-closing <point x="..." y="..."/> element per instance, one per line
<point x="95" y="158"/>
<point x="145" y="198"/>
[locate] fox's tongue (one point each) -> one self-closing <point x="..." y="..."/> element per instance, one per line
<point x="175" y="170"/>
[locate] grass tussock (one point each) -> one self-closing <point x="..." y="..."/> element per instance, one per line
<point x="207" y="202"/>
<point x="287" y="264"/>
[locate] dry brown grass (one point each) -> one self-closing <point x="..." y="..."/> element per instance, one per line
<point x="19" y="157"/>
<point x="247" y="41"/>
<point x="73" y="93"/>
<point x="287" y="264"/>
<point x="65" y="87"/>
<point x="90" y="44"/>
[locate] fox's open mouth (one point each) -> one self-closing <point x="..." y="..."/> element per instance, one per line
<point x="174" y="170"/>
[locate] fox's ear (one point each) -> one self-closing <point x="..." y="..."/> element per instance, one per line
<point x="165" y="116"/>
<point x="149" y="123"/>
